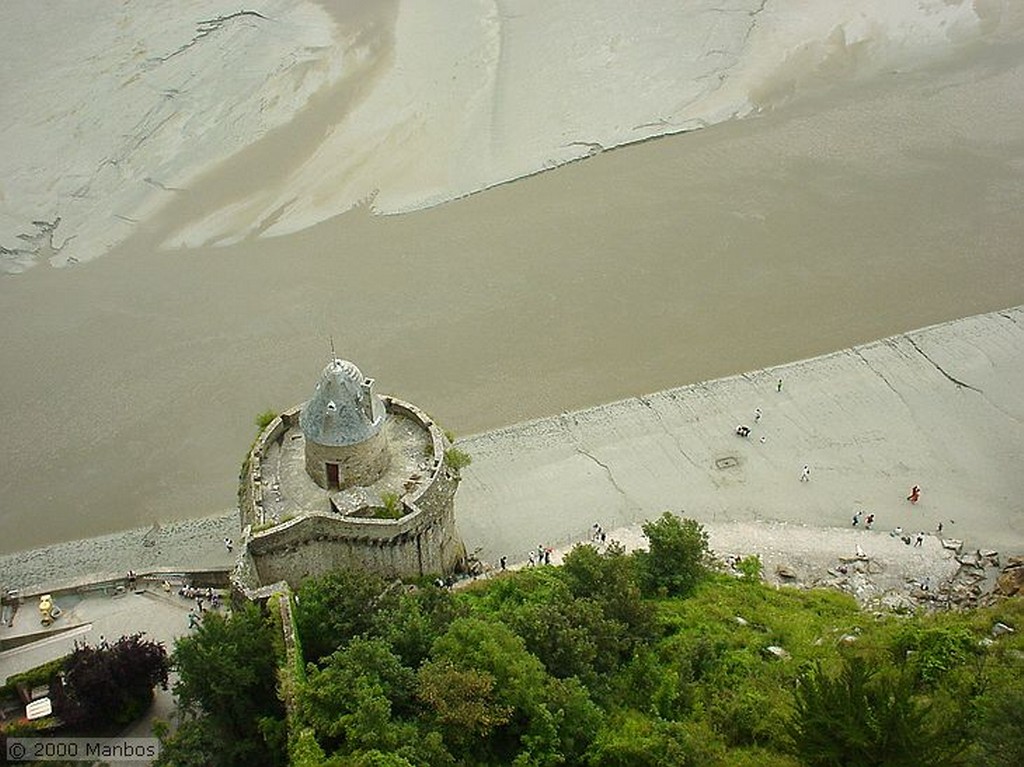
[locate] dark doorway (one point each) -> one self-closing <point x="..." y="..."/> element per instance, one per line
<point x="332" y="475"/>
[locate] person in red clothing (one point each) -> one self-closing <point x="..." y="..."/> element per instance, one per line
<point x="915" y="494"/>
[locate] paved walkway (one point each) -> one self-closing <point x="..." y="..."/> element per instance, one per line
<point x="90" y="619"/>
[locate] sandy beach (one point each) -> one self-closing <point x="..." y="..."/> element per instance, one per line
<point x="859" y="177"/>
<point x="936" y="408"/>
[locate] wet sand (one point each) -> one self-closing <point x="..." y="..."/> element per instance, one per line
<point x="939" y="408"/>
<point x="930" y="407"/>
<point x="129" y="385"/>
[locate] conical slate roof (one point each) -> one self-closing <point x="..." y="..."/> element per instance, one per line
<point x="343" y="409"/>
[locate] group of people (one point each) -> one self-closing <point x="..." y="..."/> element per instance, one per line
<point x="744" y="431"/>
<point x="542" y="556"/>
<point x="868" y="523"/>
<point x="897" y="532"/>
<point x="201" y="597"/>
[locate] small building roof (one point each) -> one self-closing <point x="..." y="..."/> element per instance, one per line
<point x="344" y="410"/>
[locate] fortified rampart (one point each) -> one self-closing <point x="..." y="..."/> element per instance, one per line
<point x="402" y="524"/>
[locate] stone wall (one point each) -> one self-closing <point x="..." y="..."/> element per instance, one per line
<point x="250" y="493"/>
<point x="315" y="544"/>
<point x="359" y="464"/>
<point x="423" y="541"/>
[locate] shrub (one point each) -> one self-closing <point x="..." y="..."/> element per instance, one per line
<point x="264" y="419"/>
<point x="675" y="562"/>
<point x="392" y="506"/>
<point x="456" y="459"/>
<point x="866" y="715"/>
<point x="750" y="567"/>
<point x="114" y="683"/>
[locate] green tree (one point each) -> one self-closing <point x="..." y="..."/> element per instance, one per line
<point x="227" y="687"/>
<point x="611" y="580"/>
<point x="633" y="740"/>
<point x="676" y="559"/>
<point x="570" y="636"/>
<point x="413" y="620"/>
<point x="331" y="610"/>
<point x="866" y="717"/>
<point x="355" y="701"/>
<point x="461" y="703"/>
<point x="551" y="721"/>
<point x="999" y="735"/>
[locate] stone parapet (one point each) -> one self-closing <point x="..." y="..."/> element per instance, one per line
<point x="423" y="540"/>
<point x="250" y="491"/>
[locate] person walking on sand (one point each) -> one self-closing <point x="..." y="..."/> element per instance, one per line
<point x="856" y="518"/>
<point x="805" y="475"/>
<point x="915" y="494"/>
<point x="778" y="386"/>
<point x="869" y="521"/>
<point x="503" y="562"/>
<point x="757" y="414"/>
<point x="919" y="540"/>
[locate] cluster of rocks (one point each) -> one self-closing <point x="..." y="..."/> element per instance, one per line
<point x="1009" y="582"/>
<point x="962" y="580"/>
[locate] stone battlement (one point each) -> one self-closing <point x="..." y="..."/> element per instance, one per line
<point x="294" y="527"/>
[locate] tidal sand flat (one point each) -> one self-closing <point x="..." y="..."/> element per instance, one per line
<point x="938" y="408"/>
<point x="930" y="407"/>
<point x="871" y="187"/>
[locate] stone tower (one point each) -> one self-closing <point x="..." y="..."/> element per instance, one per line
<point x="350" y="479"/>
<point x="342" y="423"/>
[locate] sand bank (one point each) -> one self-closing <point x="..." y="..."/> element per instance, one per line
<point x="939" y="407"/>
<point x="407" y="104"/>
<point x="129" y="384"/>
<point x="191" y="544"/>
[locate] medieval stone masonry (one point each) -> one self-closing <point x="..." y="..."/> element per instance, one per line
<point x="349" y="479"/>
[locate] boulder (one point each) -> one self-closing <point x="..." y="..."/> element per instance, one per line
<point x="1010" y="582"/>
<point x="785" y="572"/>
<point x="1001" y="628"/>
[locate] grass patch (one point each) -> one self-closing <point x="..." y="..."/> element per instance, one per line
<point x="456" y="459"/>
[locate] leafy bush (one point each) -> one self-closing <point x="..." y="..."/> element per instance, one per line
<point x="115" y="683"/>
<point x="392" y="506"/>
<point x="264" y="419"/>
<point x="456" y="459"/>
<point x="676" y="560"/>
<point x="932" y="651"/>
<point x="750" y="567"/>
